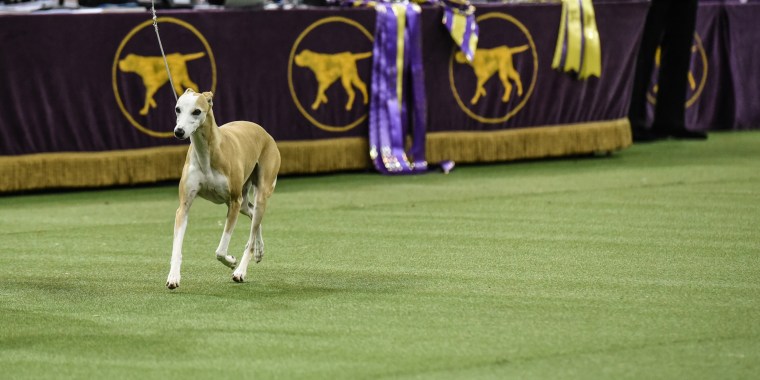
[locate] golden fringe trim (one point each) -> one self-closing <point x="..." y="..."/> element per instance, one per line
<point x="527" y="143"/>
<point x="129" y="167"/>
<point x="91" y="169"/>
<point x="136" y="166"/>
<point x="324" y="156"/>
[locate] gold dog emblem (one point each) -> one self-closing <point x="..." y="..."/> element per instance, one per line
<point x="506" y="48"/>
<point x="152" y="70"/>
<point x="696" y="78"/>
<point x="690" y="77"/>
<point x="488" y="62"/>
<point x="328" y="68"/>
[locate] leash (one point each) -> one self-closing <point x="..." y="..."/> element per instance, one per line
<point x="166" y="63"/>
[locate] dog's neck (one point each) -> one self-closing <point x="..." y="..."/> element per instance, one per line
<point x="205" y="142"/>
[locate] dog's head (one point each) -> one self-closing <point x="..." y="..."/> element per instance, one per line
<point x="460" y="57"/>
<point x="128" y="63"/>
<point x="191" y="110"/>
<point x="304" y="58"/>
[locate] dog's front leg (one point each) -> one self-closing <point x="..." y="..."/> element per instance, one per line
<point x="479" y="91"/>
<point x="232" y="214"/>
<point x="321" y="97"/>
<point x="180" y="225"/>
<point x="149" y="101"/>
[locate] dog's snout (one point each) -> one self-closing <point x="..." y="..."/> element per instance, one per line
<point x="179" y="133"/>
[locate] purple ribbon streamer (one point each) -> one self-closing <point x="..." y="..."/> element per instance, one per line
<point x="388" y="119"/>
<point x="418" y="97"/>
<point x="471" y="26"/>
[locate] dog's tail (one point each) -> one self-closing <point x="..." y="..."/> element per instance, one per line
<point x="358" y="56"/>
<point x="518" y="49"/>
<point x="192" y="56"/>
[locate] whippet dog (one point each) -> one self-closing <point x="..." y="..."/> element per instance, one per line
<point x="222" y="165"/>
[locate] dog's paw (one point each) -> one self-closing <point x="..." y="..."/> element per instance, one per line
<point x="227" y="260"/>
<point x="172" y="282"/>
<point x="238" y="277"/>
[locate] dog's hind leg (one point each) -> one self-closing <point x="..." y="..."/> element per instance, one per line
<point x="507" y="87"/>
<point x="346" y="82"/>
<point x="232" y="214"/>
<point x="361" y="86"/>
<point x="255" y="246"/>
<point x="247" y="209"/>
<point x="515" y="76"/>
<point x="264" y="187"/>
<point x="266" y="184"/>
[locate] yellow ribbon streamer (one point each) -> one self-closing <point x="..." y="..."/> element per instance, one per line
<point x="400" y="11"/>
<point x="578" y="40"/>
<point x="557" y="61"/>
<point x="592" y="54"/>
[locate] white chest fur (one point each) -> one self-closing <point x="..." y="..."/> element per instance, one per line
<point x="208" y="183"/>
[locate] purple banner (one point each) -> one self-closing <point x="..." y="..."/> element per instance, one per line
<point x="742" y="53"/>
<point x="92" y="82"/>
<point x="398" y="100"/>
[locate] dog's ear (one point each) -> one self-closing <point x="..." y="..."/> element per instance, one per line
<point x="189" y="91"/>
<point x="209" y="95"/>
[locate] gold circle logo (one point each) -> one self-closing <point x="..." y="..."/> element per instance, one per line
<point x="152" y="72"/>
<point x="497" y="61"/>
<point x="329" y="68"/>
<point x="699" y="64"/>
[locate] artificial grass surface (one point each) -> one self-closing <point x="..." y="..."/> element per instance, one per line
<point x="645" y="264"/>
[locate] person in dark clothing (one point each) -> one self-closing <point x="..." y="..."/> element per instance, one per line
<point x="669" y="24"/>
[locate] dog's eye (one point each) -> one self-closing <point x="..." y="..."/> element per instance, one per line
<point x="196" y="112"/>
<point x="176" y="110"/>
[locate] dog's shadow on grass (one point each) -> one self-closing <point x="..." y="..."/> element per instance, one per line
<point x="301" y="285"/>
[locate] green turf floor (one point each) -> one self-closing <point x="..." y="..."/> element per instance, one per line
<point x="642" y="265"/>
